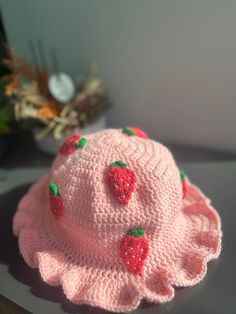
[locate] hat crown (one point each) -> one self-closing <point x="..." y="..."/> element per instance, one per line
<point x="90" y="209"/>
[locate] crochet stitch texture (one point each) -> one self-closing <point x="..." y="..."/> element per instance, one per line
<point x="80" y="248"/>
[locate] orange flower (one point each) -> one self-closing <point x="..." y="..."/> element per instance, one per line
<point x="6" y="61"/>
<point x="12" y="85"/>
<point x="48" y="111"/>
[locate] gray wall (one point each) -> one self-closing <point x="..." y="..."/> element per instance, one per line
<point x="170" y="66"/>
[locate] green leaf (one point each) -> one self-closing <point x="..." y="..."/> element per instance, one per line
<point x="182" y="174"/>
<point x="5" y="115"/>
<point x="136" y="232"/>
<point x="81" y="143"/>
<point x="119" y="163"/>
<point x="54" y="188"/>
<point x="4" y="128"/>
<point x="128" y="131"/>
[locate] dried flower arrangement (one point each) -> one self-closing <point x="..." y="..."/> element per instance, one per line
<point x="28" y="90"/>
<point x="6" y="112"/>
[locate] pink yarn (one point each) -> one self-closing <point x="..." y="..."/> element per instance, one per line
<point x="80" y="251"/>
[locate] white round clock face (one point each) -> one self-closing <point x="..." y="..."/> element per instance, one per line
<point x="61" y="87"/>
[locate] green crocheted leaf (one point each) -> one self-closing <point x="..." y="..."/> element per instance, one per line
<point x="81" y="143"/>
<point x="182" y="175"/>
<point x="119" y="163"/>
<point x="129" y="132"/>
<point x="136" y="232"/>
<point x="54" y="188"/>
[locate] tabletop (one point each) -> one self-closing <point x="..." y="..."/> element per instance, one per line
<point x="215" y="294"/>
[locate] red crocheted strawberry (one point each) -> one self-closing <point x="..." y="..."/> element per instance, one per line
<point x="72" y="144"/>
<point x="134" y="250"/>
<point x="184" y="182"/>
<point x="121" y="181"/>
<point x="132" y="131"/>
<point x="55" y="200"/>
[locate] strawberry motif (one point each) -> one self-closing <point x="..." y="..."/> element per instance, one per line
<point x="184" y="182"/>
<point x="132" y="131"/>
<point x="72" y="143"/>
<point x="121" y="181"/>
<point x="134" y="250"/>
<point x="55" y="200"/>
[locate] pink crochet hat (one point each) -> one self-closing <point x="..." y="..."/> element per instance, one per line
<point x="115" y="221"/>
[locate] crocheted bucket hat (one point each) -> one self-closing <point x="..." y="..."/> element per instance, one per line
<point x="115" y="221"/>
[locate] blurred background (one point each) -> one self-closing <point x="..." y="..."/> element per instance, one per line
<point x="168" y="67"/>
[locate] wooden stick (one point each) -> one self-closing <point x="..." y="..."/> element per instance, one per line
<point x="33" y="56"/>
<point x="42" y="54"/>
<point x="55" y="64"/>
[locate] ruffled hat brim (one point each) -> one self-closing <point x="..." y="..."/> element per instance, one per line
<point x="41" y="248"/>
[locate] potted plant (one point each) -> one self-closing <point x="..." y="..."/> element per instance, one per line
<point x="6" y="113"/>
<point x="54" y="106"/>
